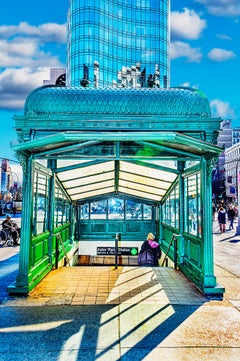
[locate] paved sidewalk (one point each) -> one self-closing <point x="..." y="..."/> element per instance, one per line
<point x="103" y="314"/>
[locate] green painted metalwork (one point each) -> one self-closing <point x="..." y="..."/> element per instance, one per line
<point x="177" y="141"/>
<point x="84" y="144"/>
<point x="119" y="134"/>
<point x="96" y="101"/>
<point x="50" y="108"/>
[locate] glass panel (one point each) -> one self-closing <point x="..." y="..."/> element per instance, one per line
<point x="89" y="180"/>
<point x="93" y="193"/>
<point x="147" y="212"/>
<point x="92" y="150"/>
<point x="162" y="163"/>
<point x="91" y="187"/>
<point x="62" y="207"/>
<point x="133" y="210"/>
<point x="40" y="209"/>
<point x="86" y="171"/>
<point x="137" y="178"/>
<point x="98" y="210"/>
<point x="139" y="194"/>
<point x="156" y="174"/>
<point x="141" y="150"/>
<point x="171" y="209"/>
<point x="193" y="225"/>
<point x="115" y="208"/>
<point x="84" y="211"/>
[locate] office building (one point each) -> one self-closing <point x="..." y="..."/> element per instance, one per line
<point x="118" y="43"/>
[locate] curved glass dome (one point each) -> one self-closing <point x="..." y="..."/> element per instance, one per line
<point x="61" y="100"/>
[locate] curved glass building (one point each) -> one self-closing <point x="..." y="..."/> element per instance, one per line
<point x="120" y="43"/>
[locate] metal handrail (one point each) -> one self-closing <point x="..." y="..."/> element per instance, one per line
<point x="173" y="239"/>
<point x="58" y="235"/>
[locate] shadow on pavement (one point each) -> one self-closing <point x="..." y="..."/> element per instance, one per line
<point x="8" y="274"/>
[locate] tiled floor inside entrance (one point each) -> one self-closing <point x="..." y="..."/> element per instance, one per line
<point x="88" y="285"/>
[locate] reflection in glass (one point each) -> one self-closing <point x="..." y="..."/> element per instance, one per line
<point x="115" y="208"/>
<point x="133" y="210"/>
<point x="62" y="207"/>
<point x="98" y="210"/>
<point x="171" y="209"/>
<point x="192" y="184"/>
<point x="84" y="211"/>
<point x="147" y="211"/>
<point x="40" y="211"/>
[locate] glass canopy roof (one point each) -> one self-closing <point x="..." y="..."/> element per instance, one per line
<point x="136" y="164"/>
<point x="89" y="181"/>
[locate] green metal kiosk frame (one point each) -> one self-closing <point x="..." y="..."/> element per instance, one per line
<point x="153" y="146"/>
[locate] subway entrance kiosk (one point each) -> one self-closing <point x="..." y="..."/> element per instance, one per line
<point x="100" y="162"/>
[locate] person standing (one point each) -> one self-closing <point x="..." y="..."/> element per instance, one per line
<point x="222" y="219"/>
<point x="152" y="250"/>
<point x="213" y="211"/>
<point x="14" y="210"/>
<point x="231" y="216"/>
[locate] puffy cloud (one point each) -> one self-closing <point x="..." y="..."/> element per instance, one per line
<point x="220" y="55"/>
<point x="25" y="52"/>
<point x="49" y="32"/>
<point x="16" y="84"/>
<point x="222" y="7"/>
<point x="25" y="60"/>
<point x="24" y="45"/>
<point x="180" y="49"/>
<point x="221" y="109"/>
<point x="186" y="25"/>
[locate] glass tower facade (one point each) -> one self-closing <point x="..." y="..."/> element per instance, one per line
<point x="118" y="43"/>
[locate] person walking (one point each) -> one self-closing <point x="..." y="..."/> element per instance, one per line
<point x="231" y="215"/>
<point x="222" y="219"/>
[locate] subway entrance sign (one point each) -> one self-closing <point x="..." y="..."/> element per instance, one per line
<point x="122" y="251"/>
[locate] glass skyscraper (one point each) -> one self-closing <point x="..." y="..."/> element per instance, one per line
<point x="118" y="43"/>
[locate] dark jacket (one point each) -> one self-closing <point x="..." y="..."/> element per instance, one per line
<point x="231" y="213"/>
<point x="222" y="216"/>
<point x="154" y="247"/>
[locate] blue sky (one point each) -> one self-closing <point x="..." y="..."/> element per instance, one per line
<point x="205" y="53"/>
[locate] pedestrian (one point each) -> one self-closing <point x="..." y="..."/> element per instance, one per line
<point x="14" y="210"/>
<point x="222" y="219"/>
<point x="150" y="252"/>
<point x="213" y="211"/>
<point x="231" y="215"/>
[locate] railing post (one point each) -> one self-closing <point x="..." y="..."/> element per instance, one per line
<point x="117" y="239"/>
<point x="175" y="252"/>
<point x="57" y="252"/>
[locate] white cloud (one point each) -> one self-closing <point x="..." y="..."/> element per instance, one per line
<point x="223" y="37"/>
<point x="49" y="32"/>
<point x="220" y="55"/>
<point x="179" y="49"/>
<point x="186" y="25"/>
<point x="23" y="53"/>
<point x="222" y="109"/>
<point x="16" y="84"/>
<point x="24" y="60"/>
<point x="188" y="85"/>
<point x="222" y="7"/>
